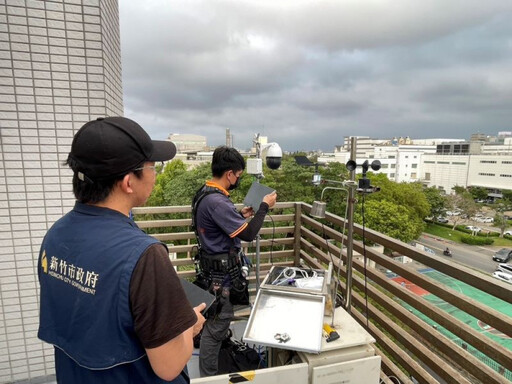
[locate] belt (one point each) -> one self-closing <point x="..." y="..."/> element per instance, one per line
<point x="223" y="262"/>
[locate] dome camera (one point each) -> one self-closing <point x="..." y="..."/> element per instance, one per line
<point x="274" y="156"/>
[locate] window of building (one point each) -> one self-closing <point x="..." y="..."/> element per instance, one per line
<point x="486" y="174"/>
<point x="429" y="162"/>
<point x="506" y="162"/>
<point x="458" y="163"/>
<point x="427" y="175"/>
<point x="391" y="175"/>
<point x="443" y="162"/>
<point x="393" y="165"/>
<point x="413" y="175"/>
<point x="384" y="166"/>
<point x="504" y="175"/>
<point x="414" y="166"/>
<point x="488" y="161"/>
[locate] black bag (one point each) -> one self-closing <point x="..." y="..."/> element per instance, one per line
<point x="239" y="292"/>
<point x="235" y="356"/>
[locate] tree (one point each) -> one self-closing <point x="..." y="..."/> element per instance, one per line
<point x="478" y="193"/>
<point x="391" y="219"/>
<point x="164" y="181"/>
<point x="436" y="200"/>
<point x="458" y="189"/>
<point x="500" y="222"/>
<point x="464" y="203"/>
<point x="507" y="197"/>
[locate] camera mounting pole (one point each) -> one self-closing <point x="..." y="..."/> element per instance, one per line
<point x="273" y="155"/>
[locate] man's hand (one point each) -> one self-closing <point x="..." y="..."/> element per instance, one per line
<point x="247" y="212"/>
<point x="200" y="318"/>
<point x="270" y="199"/>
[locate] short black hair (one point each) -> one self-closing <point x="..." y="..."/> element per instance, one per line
<point x="88" y="192"/>
<point x="226" y="159"/>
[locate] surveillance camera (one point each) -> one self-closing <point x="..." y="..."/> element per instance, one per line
<point x="273" y="162"/>
<point x="274" y="155"/>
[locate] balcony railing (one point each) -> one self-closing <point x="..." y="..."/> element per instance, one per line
<point x="431" y="318"/>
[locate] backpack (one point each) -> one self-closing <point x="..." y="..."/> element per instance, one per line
<point x="236" y="356"/>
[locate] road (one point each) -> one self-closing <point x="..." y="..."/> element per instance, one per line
<point x="470" y="255"/>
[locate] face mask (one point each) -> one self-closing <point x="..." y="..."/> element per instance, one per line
<point x="236" y="185"/>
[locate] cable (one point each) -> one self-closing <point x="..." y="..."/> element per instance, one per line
<point x="365" y="261"/>
<point x="337" y="282"/>
<point x="327" y="245"/>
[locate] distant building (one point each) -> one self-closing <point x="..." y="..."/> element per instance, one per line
<point x="485" y="161"/>
<point x="488" y="171"/>
<point x="186" y="143"/>
<point x="400" y="157"/>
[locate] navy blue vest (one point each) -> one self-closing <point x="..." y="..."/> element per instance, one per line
<point x="85" y="266"/>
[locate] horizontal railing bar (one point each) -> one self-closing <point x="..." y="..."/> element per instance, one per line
<point x="188" y="208"/>
<point x="245" y="244"/>
<point x="187" y="222"/>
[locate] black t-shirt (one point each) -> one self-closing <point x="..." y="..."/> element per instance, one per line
<point x="159" y="306"/>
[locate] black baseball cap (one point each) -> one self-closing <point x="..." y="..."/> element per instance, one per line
<point x="114" y="146"/>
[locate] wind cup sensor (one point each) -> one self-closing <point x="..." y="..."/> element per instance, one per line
<point x="364" y="185"/>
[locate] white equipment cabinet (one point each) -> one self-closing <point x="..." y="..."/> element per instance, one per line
<point x="298" y="313"/>
<point x="349" y="360"/>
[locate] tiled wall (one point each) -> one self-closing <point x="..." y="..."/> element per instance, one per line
<point x="59" y="68"/>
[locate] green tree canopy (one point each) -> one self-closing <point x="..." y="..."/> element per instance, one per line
<point x="436" y="200"/>
<point x="479" y="193"/>
<point x="391" y="219"/>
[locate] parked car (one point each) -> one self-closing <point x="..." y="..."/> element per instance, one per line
<point x="503" y="255"/>
<point x="508" y="233"/>
<point x="441" y="219"/>
<point x="503" y="276"/>
<point x="472" y="228"/>
<point x="487" y="220"/>
<point x="506" y="268"/>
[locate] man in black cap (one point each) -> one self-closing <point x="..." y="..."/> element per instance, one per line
<point x="111" y="302"/>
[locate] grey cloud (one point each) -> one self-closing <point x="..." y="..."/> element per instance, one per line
<point x="308" y="73"/>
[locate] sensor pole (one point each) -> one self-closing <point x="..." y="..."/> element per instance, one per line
<point x="350" y="233"/>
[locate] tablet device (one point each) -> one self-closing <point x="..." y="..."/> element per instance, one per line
<point x="255" y="195"/>
<point x="196" y="295"/>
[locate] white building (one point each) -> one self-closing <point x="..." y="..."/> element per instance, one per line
<point x="441" y="163"/>
<point x="488" y="171"/>
<point x="186" y="143"/>
<point x="60" y="66"/>
<point x="400" y="163"/>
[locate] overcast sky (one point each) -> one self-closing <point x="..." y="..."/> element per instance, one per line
<point x="307" y="73"/>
